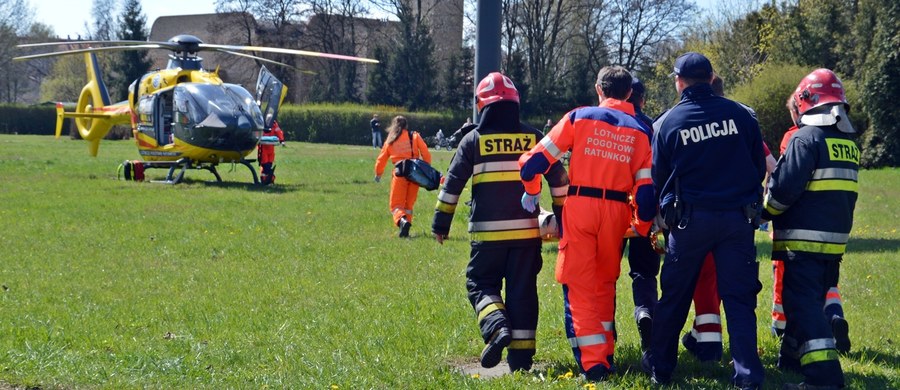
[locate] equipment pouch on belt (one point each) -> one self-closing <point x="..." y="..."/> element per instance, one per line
<point x="753" y="213"/>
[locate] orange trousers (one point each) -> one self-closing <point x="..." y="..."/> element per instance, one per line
<point x="588" y="267"/>
<point x="403" y="197"/>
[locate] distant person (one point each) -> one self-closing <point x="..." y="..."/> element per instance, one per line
<point x="505" y="239"/>
<point x="266" y="154"/>
<point x="376" y="131"/>
<point x="547" y="126"/>
<point x="610" y="160"/>
<point x="401" y="144"/>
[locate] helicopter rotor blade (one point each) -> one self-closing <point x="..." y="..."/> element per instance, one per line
<point x="264" y="60"/>
<point x="73" y="43"/>
<point x="92" y="49"/>
<point x="287" y="51"/>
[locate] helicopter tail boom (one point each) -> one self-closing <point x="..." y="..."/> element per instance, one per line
<point x="94" y="115"/>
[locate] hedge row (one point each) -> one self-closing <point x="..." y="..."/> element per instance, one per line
<point x="319" y="123"/>
<point x="22" y="119"/>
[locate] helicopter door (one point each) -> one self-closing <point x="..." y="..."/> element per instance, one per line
<point x="270" y="93"/>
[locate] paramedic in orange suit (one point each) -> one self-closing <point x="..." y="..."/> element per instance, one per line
<point x="610" y="160"/>
<point x="401" y="144"/>
<point x="266" y="155"/>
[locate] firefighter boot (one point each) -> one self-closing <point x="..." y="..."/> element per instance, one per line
<point x="645" y="329"/>
<point x="840" y="330"/>
<point x="493" y="350"/>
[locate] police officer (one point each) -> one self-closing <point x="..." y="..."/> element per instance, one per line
<point x="811" y="198"/>
<point x="610" y="160"/>
<point x="643" y="261"/>
<point x="708" y="164"/>
<point x="505" y="239"/>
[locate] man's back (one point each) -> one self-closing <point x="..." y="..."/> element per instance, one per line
<point x="713" y="146"/>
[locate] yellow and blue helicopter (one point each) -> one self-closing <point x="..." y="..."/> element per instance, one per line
<point x="183" y="117"/>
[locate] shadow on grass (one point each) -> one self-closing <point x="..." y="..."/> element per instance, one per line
<point x="867" y="355"/>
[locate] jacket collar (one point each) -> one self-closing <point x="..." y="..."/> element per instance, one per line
<point x="617" y="104"/>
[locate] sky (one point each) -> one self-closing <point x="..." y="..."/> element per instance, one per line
<point x="68" y="17"/>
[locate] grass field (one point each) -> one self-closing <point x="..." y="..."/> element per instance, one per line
<point x="303" y="285"/>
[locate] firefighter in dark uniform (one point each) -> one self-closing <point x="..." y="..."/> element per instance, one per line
<point x="811" y="198"/>
<point x="505" y="239"/>
<point x="708" y="166"/>
<point x="643" y="261"/>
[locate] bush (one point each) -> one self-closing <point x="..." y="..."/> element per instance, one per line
<point x="23" y="119"/>
<point x="349" y="123"/>
<point x="768" y="93"/>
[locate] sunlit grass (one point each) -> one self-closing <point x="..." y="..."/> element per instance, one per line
<point x="115" y="284"/>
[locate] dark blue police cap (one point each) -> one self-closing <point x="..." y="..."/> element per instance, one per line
<point x="693" y="65"/>
<point x="637" y="90"/>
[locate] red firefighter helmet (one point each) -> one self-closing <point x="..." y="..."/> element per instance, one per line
<point x="495" y="87"/>
<point x="820" y="87"/>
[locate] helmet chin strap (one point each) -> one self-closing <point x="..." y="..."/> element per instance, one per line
<point x="836" y="115"/>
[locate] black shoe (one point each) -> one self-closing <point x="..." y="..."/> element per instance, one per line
<point x="841" y="331"/>
<point x="704" y="356"/>
<point x="645" y="329"/>
<point x="493" y="351"/>
<point x="404" y="227"/>
<point x="805" y="386"/>
<point x="656" y="379"/>
<point x="516" y="366"/>
<point x="597" y="373"/>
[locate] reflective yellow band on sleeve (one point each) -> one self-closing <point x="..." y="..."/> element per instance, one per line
<point x="812" y="247"/>
<point x="818" y="356"/>
<point x="490" y="309"/>
<point x="522" y="344"/>
<point x="491" y="177"/>
<point x="520" y="234"/>
<point x="832" y="185"/>
<point x="445" y="207"/>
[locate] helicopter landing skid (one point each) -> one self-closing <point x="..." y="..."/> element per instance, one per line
<point x="134" y="170"/>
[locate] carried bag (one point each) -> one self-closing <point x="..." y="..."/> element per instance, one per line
<point x="418" y="171"/>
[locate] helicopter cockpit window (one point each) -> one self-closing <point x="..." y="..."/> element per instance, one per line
<point x="207" y="105"/>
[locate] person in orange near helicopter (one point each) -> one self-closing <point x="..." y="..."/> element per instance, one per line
<point x="401" y="144"/>
<point x="266" y="154"/>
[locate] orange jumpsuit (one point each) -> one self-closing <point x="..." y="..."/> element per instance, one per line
<point x="610" y="160"/>
<point x="266" y="155"/>
<point x="403" y="192"/>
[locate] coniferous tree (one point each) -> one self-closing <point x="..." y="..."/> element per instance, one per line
<point x="379" y="86"/>
<point x="133" y="63"/>
<point x="881" y="87"/>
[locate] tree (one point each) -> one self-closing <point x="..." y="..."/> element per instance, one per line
<point x="412" y="66"/>
<point x="640" y="26"/>
<point x="456" y="91"/>
<point x="132" y="64"/>
<point x="379" y="87"/>
<point x="103" y="25"/>
<point x="881" y="86"/>
<point x="15" y="20"/>
<point x="333" y="29"/>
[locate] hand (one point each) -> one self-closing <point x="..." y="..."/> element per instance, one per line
<point x="283" y="144"/>
<point x="378" y="178"/>
<point x="440" y="238"/>
<point x="530" y="202"/>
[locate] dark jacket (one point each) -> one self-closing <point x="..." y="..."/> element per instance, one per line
<point x="713" y="146"/>
<point x="812" y="194"/>
<point x="489" y="155"/>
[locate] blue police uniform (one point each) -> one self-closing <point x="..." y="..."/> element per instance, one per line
<point x="708" y="166"/>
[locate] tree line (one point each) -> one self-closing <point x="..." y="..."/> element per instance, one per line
<point x="552" y="49"/>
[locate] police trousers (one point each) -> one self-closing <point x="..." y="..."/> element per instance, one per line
<point x="518" y="311"/>
<point x="643" y="264"/>
<point x="729" y="237"/>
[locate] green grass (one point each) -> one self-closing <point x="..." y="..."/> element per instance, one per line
<point x="114" y="284"/>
